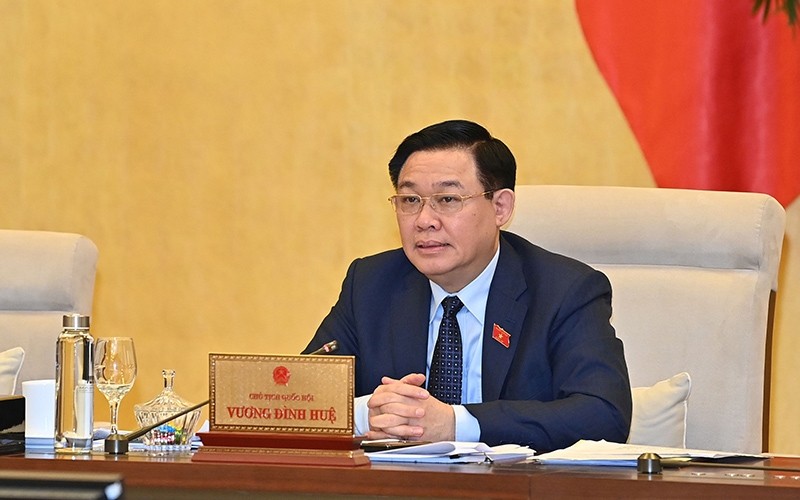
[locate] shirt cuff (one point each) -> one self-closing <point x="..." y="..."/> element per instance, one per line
<point x="467" y="427"/>
<point x="361" y="414"/>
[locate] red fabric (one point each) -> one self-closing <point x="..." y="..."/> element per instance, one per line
<point x="712" y="93"/>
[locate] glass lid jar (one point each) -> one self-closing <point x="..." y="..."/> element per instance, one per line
<point x="174" y="436"/>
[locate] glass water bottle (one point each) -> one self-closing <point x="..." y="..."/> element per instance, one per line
<point x="74" y="386"/>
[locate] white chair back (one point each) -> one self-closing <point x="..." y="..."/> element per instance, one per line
<point x="693" y="276"/>
<point x="43" y="275"/>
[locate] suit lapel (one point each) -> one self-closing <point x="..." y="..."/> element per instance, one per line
<point x="503" y="310"/>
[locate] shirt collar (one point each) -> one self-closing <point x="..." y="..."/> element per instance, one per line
<point x="474" y="296"/>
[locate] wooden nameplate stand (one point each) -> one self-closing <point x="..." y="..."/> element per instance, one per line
<point x="277" y="448"/>
<point x="294" y="410"/>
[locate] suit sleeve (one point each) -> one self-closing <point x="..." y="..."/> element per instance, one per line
<point x="577" y="389"/>
<point x="339" y="324"/>
<point x="350" y="323"/>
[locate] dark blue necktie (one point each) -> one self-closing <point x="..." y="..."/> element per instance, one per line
<point x="444" y="382"/>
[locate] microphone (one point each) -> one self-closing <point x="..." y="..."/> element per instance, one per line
<point x="328" y="348"/>
<point x="652" y="463"/>
<point x="117" y="444"/>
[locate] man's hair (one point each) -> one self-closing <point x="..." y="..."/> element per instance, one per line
<point x="497" y="168"/>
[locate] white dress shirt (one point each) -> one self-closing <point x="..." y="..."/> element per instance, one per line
<point x="471" y="322"/>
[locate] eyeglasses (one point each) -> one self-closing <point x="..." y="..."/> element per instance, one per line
<point x="442" y="203"/>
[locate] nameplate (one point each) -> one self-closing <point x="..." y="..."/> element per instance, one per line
<point x="281" y="394"/>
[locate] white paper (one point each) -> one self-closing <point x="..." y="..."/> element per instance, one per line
<point x="452" y="452"/>
<point x="104" y="430"/>
<point x="586" y="452"/>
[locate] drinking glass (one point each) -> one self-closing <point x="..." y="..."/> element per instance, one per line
<point x="114" y="371"/>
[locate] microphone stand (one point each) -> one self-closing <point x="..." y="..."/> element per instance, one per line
<point x="117" y="444"/>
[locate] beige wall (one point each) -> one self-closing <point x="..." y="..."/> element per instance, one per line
<point x="229" y="157"/>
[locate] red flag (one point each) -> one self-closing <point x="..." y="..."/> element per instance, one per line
<point x="502" y="336"/>
<point x="712" y="93"/>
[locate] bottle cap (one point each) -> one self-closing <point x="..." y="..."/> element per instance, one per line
<point x="76" y="321"/>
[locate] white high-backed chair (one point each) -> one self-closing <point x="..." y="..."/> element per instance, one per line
<point x="694" y="275"/>
<point x="43" y="275"/>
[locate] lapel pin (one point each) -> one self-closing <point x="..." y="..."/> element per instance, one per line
<point x="502" y="336"/>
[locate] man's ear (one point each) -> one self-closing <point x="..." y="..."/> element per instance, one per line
<point x="503" y="201"/>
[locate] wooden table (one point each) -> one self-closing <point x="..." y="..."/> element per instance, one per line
<point x="178" y="477"/>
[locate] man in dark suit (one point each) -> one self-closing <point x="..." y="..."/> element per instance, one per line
<point x="526" y="354"/>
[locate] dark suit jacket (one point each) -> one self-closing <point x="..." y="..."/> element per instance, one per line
<point x="563" y="376"/>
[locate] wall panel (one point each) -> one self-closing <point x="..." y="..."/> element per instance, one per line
<point x="229" y="157"/>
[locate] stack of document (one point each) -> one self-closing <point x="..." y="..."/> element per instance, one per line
<point x="625" y="455"/>
<point x="453" y="452"/>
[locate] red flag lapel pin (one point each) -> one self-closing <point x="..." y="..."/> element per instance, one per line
<point x="500" y="335"/>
